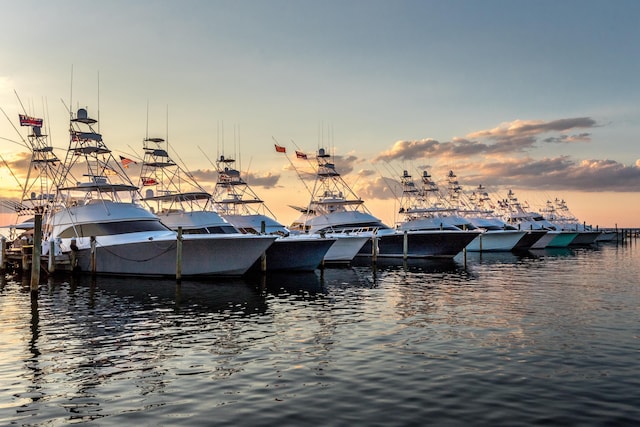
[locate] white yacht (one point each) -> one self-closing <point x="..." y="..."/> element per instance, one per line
<point x="336" y="210"/>
<point x="240" y="206"/>
<point x="99" y="218"/>
<point x="425" y="208"/>
<point x="517" y="215"/>
<point x="477" y="207"/>
<point x="558" y="212"/>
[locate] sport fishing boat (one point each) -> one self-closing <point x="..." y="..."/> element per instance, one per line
<point x="558" y="212"/>
<point x="99" y="218"/>
<point x="455" y="208"/>
<point x="238" y="206"/>
<point x="336" y="210"/>
<point x="517" y="215"/>
<point x="38" y="189"/>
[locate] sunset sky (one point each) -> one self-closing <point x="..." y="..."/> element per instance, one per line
<point x="542" y="97"/>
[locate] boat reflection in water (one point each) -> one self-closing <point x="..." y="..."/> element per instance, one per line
<point x="230" y="296"/>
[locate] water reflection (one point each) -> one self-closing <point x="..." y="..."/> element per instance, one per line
<point x="397" y="342"/>
<point x="223" y="296"/>
<point x="426" y="265"/>
<point x="99" y="333"/>
<point x="280" y="282"/>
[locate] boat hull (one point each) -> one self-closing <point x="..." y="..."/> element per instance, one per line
<point x="529" y="239"/>
<point x="585" y="238"/>
<point x="562" y="239"/>
<point x="420" y="244"/>
<point x="607" y="236"/>
<point x="544" y="241"/>
<point x="295" y="254"/>
<point x="495" y="241"/>
<point x="201" y="256"/>
<point x="345" y="249"/>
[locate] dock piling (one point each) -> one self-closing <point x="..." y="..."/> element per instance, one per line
<point x="37" y="251"/>
<point x="405" y="245"/>
<point x="93" y="254"/>
<point x="374" y="247"/>
<point x="51" y="266"/>
<point x="179" y="255"/>
<point x="3" y="254"/>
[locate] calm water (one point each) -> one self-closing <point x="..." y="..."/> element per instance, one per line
<point x="545" y="338"/>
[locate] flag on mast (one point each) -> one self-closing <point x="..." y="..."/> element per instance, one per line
<point x="300" y="155"/>
<point x="280" y="148"/>
<point x="126" y="162"/>
<point x="29" y="121"/>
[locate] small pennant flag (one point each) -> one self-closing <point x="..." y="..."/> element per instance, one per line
<point x="300" y="155"/>
<point x="149" y="181"/>
<point x="126" y="162"/>
<point x="280" y="149"/>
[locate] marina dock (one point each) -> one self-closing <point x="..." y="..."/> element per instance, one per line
<point x="22" y="258"/>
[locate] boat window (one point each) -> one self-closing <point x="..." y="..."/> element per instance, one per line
<point x="223" y="229"/>
<point x="195" y="231"/>
<point x="112" y="228"/>
<point x="248" y="230"/>
<point x="357" y="227"/>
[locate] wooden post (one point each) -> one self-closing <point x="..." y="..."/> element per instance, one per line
<point x="405" y="245"/>
<point x="480" y="242"/>
<point x="374" y="247"/>
<point x="464" y="256"/>
<point x="26" y="254"/>
<point x="263" y="262"/>
<point x="3" y="254"/>
<point x="92" y="239"/>
<point x="74" y="252"/>
<point x="263" y="257"/>
<point x="37" y="251"/>
<point x="52" y="256"/>
<point x="179" y="255"/>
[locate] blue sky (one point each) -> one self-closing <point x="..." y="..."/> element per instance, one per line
<point x="538" y="96"/>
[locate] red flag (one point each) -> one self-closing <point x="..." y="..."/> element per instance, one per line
<point x="148" y="181"/>
<point x="126" y="162"/>
<point x="29" y="121"/>
<point x="300" y="155"/>
<point x="280" y="149"/>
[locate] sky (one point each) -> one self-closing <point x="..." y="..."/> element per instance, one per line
<point x="539" y="97"/>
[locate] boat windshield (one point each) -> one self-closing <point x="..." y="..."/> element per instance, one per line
<point x="112" y="228"/>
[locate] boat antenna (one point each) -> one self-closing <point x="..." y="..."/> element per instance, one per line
<point x="221" y="133"/>
<point x="217" y="141"/>
<point x="205" y="156"/>
<point x="24" y="143"/>
<point x="240" y="152"/>
<point x="20" y="102"/>
<point x="70" y="94"/>
<point x="98" y="101"/>
<point x="236" y="144"/>
<point x="46" y="108"/>
<point x="146" y="132"/>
